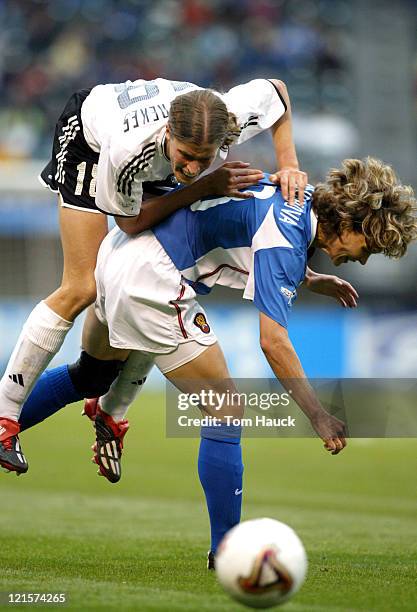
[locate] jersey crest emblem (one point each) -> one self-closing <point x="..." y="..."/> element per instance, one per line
<point x="201" y="322"/>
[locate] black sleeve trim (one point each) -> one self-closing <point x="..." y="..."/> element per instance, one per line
<point x="279" y="93"/>
<point x="114" y="215"/>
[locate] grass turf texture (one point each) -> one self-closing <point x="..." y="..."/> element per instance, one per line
<point x="141" y="544"/>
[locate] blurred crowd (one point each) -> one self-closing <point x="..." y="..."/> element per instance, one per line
<point x="50" y="48"/>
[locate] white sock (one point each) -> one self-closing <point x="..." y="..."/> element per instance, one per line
<point x="127" y="385"/>
<point x="41" y="338"/>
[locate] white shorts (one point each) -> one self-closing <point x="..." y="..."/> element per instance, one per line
<point x="183" y="354"/>
<point x="143" y="299"/>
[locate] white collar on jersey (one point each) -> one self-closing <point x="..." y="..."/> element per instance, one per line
<point x="313" y="224"/>
<point x="160" y="142"/>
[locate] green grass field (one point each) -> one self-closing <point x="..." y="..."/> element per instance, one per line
<point x="141" y="544"/>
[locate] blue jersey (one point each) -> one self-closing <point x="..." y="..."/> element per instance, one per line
<point x="258" y="245"/>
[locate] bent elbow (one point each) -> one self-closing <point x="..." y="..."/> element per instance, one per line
<point x="131" y="231"/>
<point x="128" y="225"/>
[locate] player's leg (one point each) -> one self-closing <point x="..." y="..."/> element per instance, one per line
<point x="53" y="391"/>
<point x="82" y="233"/>
<point x="220" y="464"/>
<point x="89" y="377"/>
<point x="107" y="410"/>
<point x="70" y="173"/>
<point x="129" y="383"/>
<point x="206" y="371"/>
<point x="49" y="322"/>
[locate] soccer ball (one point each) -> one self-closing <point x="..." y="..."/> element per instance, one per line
<point x="261" y="563"/>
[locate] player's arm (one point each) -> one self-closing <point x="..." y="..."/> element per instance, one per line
<point x="289" y="175"/>
<point x="225" y="180"/>
<point x="332" y="286"/>
<point x="263" y="104"/>
<point x="284" y="361"/>
<point x="119" y="187"/>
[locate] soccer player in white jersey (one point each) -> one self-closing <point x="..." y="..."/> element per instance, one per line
<point x="112" y="141"/>
<point x="146" y="303"/>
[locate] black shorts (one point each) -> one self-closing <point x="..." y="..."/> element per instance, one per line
<point x="73" y="167"/>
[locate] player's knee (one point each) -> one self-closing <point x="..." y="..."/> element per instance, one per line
<point x="92" y="377"/>
<point x="86" y="294"/>
<point x="79" y="296"/>
<point x="89" y="292"/>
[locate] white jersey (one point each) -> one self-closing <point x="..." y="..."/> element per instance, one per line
<point x="125" y="123"/>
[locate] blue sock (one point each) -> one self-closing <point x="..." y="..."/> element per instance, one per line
<point x="53" y="391"/>
<point x="220" y="469"/>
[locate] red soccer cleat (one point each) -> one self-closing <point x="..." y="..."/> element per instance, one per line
<point x="12" y="458"/>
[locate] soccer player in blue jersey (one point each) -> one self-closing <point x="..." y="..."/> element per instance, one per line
<point x="146" y="304"/>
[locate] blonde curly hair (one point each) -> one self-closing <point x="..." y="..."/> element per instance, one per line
<point x="365" y="196"/>
<point x="201" y="117"/>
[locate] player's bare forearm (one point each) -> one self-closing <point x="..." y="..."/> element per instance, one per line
<point x="228" y="179"/>
<point x="155" y="210"/>
<point x="286" y="366"/>
<point x="289" y="174"/>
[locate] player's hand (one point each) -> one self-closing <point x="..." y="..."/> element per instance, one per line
<point x="229" y="178"/>
<point x="331" y="430"/>
<point x="291" y="180"/>
<point x="333" y="286"/>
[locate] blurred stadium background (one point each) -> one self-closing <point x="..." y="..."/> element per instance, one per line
<point x="351" y="71"/>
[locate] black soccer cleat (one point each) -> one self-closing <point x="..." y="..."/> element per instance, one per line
<point x="211" y="560"/>
<point x="108" y="447"/>
<point x="12" y="458"/>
